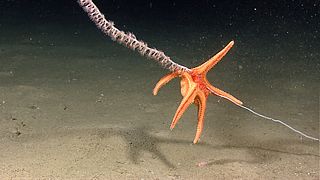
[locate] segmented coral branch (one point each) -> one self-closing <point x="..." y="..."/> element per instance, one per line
<point x="128" y="39"/>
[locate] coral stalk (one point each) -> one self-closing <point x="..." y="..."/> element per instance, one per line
<point x="128" y="39"/>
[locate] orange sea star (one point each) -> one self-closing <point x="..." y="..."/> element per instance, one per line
<point x="195" y="88"/>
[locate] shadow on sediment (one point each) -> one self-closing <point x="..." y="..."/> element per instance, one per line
<point x="139" y="140"/>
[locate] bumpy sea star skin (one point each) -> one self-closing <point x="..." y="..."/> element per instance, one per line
<point x="195" y="88"/>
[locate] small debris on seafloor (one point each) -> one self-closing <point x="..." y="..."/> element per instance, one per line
<point x="13" y="118"/>
<point x="34" y="107"/>
<point x="202" y="163"/>
<point x="16" y="132"/>
<point x="6" y="74"/>
<point x="100" y="98"/>
<point x="22" y="124"/>
<point x="2" y="103"/>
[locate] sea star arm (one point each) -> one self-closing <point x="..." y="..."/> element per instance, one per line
<point x="205" y="67"/>
<point x="164" y="80"/>
<point x="223" y="94"/>
<point x="188" y="98"/>
<point x="201" y="103"/>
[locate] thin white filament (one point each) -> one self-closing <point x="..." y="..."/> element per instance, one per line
<point x="269" y="118"/>
<point x="279" y="121"/>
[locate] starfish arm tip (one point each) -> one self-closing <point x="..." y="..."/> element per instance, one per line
<point x="231" y="43"/>
<point x="235" y="100"/>
<point x="155" y="92"/>
<point x="164" y="80"/>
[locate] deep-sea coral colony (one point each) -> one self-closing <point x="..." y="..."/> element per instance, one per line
<point x="195" y="87"/>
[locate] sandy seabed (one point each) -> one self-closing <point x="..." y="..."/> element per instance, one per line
<point x="76" y="109"/>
